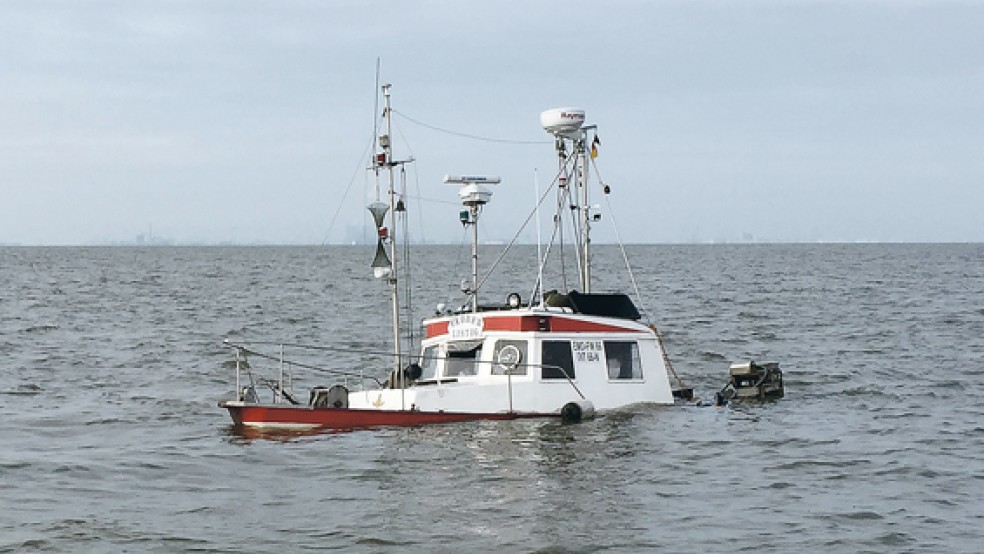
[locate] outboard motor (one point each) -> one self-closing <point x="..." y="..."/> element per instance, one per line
<point x="752" y="381"/>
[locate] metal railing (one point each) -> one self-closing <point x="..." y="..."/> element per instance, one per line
<point x="282" y="386"/>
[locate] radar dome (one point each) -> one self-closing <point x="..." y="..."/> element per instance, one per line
<point x="562" y="121"/>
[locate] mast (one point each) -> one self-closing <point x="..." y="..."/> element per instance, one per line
<point x="394" y="289"/>
<point x="567" y="124"/>
<point x="385" y="265"/>
<point x="473" y="196"/>
<point x="582" y="162"/>
<point x="473" y="211"/>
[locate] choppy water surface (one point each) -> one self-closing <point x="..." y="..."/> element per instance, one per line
<point x="112" y="364"/>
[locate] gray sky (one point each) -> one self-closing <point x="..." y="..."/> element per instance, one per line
<point x="248" y="121"/>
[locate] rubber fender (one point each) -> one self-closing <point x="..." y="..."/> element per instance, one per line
<point x="577" y="411"/>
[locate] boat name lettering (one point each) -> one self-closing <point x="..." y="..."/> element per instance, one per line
<point x="466" y="326"/>
<point x="587" y="350"/>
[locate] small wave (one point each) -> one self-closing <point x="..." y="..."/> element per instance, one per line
<point x="28" y="389"/>
<point x="751" y="315"/>
<point x="894" y="539"/>
<point x="800" y="464"/>
<point x="950" y="384"/>
<point x="148" y="465"/>
<point x="71" y="468"/>
<point x="66" y="524"/>
<point x="106" y="421"/>
<point x="376" y="541"/>
<point x="36" y="544"/>
<point x="868" y="391"/>
<point x="901" y="472"/>
<point x="779" y="485"/>
<point x="797" y="442"/>
<point x="863" y="516"/>
<point x="198" y="510"/>
<point x="40" y="329"/>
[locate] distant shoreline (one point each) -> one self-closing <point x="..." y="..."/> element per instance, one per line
<point x="489" y="245"/>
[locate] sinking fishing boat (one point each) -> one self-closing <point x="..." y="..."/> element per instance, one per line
<point x="556" y="354"/>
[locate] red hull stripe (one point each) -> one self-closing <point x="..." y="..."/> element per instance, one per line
<point x="535" y="323"/>
<point x="564" y="325"/>
<point x="437" y="329"/>
<point x="346" y="418"/>
<point x="513" y="323"/>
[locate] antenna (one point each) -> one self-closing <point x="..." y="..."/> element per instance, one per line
<point x="473" y="196"/>
<point x="539" y="254"/>
<point x="563" y="122"/>
<point x="375" y="130"/>
<point x="568" y="124"/>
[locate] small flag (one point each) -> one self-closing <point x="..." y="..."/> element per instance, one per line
<point x="594" y="147"/>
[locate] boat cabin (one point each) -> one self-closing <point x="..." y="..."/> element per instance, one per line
<point x="587" y="346"/>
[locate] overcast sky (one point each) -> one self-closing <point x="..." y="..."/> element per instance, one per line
<point x="248" y="121"/>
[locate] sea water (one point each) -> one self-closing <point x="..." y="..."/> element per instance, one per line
<point x="111" y="441"/>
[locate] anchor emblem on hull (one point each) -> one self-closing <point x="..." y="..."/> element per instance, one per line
<point x="379" y="401"/>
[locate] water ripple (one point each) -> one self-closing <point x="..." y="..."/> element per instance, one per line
<point x="118" y="368"/>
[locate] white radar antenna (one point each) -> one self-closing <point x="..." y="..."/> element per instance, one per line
<point x="473" y="196"/>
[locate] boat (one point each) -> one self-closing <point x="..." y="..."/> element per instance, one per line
<point x="564" y="355"/>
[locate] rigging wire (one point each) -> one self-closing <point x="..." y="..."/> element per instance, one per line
<point x="406" y="217"/>
<point x="434" y="200"/>
<point x="405" y="229"/>
<point x="538" y="287"/>
<point x="515" y="237"/>
<point x="621" y="244"/>
<point x="408" y="287"/>
<point x="375" y="126"/>
<point x="566" y="198"/>
<point x="466" y="135"/>
<point x="248" y="351"/>
<point x="543" y="260"/>
<point x="416" y="177"/>
<point x="635" y="284"/>
<point x="562" y="192"/>
<point x="459" y="261"/>
<point x="420" y="213"/>
<point x="341" y="203"/>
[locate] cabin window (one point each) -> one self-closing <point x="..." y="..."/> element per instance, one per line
<point x="428" y="364"/>
<point x="622" y="358"/>
<point x="557" y="361"/>
<point x="509" y="357"/>
<point x="462" y="358"/>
